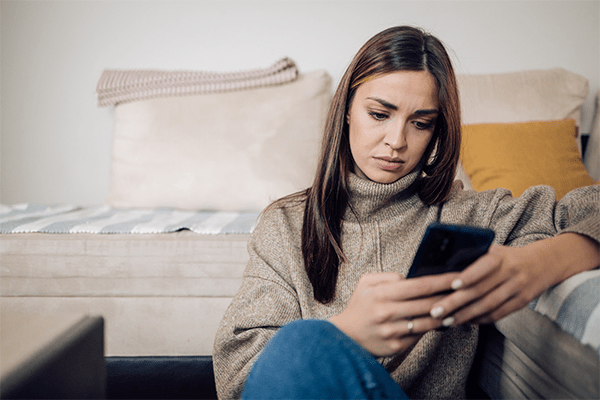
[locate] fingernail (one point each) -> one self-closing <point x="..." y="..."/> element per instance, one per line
<point x="437" y="312"/>
<point x="456" y="284"/>
<point x="448" y="321"/>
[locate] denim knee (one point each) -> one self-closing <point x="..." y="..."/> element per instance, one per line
<point x="314" y="359"/>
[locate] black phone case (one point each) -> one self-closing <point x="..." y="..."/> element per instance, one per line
<point x="449" y="248"/>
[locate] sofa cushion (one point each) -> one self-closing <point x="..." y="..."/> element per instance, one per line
<point x="520" y="155"/>
<point x="522" y="96"/>
<point x="534" y="95"/>
<point x="221" y="151"/>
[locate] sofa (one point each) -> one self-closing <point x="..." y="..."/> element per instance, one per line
<point x="197" y="155"/>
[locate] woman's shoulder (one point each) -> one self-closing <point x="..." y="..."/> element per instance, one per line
<point x="277" y="236"/>
<point x="537" y="193"/>
<point x="485" y="203"/>
<point x="282" y="215"/>
<point x="473" y="207"/>
<point x="459" y="194"/>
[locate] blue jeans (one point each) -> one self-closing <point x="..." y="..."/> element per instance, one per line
<point x="312" y="359"/>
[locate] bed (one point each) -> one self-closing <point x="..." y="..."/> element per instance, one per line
<point x="161" y="259"/>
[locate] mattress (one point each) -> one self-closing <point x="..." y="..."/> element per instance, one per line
<point x="160" y="294"/>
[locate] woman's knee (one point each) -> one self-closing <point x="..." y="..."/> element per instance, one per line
<point x="294" y="339"/>
<point x="313" y="358"/>
<point x="316" y="346"/>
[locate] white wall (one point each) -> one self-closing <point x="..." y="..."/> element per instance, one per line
<point x="55" y="142"/>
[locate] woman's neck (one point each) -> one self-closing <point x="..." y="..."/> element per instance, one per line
<point x="371" y="200"/>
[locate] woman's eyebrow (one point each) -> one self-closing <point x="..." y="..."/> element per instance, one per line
<point x="427" y="112"/>
<point x="391" y="106"/>
<point x="384" y="103"/>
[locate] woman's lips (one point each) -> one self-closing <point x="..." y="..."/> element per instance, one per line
<point x="389" y="163"/>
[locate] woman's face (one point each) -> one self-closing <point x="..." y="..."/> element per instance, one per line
<point x="391" y="120"/>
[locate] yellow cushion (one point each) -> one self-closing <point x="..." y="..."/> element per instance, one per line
<point x="517" y="156"/>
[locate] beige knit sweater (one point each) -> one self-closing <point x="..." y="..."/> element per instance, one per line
<point x="391" y="222"/>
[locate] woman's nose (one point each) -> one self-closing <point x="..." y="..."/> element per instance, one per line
<point x="396" y="137"/>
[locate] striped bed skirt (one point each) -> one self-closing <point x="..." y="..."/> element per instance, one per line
<point x="102" y="219"/>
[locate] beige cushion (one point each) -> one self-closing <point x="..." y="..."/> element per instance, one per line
<point x="522" y="96"/>
<point x="535" y="95"/>
<point x="226" y="151"/>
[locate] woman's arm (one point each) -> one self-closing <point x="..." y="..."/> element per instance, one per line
<point x="254" y="316"/>
<point x="508" y="278"/>
<point x="550" y="242"/>
<point x="265" y="302"/>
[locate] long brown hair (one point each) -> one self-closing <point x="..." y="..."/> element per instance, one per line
<point x="395" y="49"/>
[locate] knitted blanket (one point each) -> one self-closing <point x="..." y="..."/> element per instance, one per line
<point x="575" y="306"/>
<point x="118" y="86"/>
<point x="28" y="218"/>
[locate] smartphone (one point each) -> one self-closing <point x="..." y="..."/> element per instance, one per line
<point x="449" y="248"/>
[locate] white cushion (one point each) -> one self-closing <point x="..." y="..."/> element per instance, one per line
<point x="226" y="151"/>
<point x="535" y="95"/>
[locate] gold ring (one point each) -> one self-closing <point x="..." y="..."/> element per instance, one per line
<point x="410" y="327"/>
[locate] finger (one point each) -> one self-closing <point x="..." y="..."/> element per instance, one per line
<point x="417" y="308"/>
<point x="408" y="328"/>
<point x="513" y="304"/>
<point x="422" y="287"/>
<point x="490" y="304"/>
<point x="413" y="289"/>
<point x="419" y="326"/>
<point x="394" y="311"/>
<point x="483" y="267"/>
<point x="464" y="297"/>
<point x="475" y="286"/>
<point x="497" y="314"/>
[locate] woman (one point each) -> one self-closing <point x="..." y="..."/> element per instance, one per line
<point x="325" y="284"/>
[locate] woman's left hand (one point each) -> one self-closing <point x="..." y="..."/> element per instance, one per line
<point x="506" y="279"/>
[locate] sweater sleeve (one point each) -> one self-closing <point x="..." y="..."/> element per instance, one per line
<point x="537" y="215"/>
<point x="265" y="302"/>
<point x="579" y="212"/>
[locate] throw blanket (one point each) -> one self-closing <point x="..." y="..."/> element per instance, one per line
<point x="575" y="306"/>
<point x="28" y="218"/>
<point x="118" y="86"/>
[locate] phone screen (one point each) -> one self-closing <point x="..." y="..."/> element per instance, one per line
<point x="449" y="248"/>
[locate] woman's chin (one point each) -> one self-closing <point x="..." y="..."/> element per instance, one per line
<point x="383" y="177"/>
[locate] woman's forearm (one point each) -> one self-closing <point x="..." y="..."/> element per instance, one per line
<point x="508" y="278"/>
<point x="568" y="254"/>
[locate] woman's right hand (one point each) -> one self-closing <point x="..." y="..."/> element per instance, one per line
<point x="388" y="314"/>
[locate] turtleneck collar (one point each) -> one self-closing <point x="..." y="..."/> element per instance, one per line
<point x="375" y="201"/>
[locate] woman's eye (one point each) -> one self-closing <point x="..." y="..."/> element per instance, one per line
<point x="423" y="126"/>
<point x="378" y="116"/>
